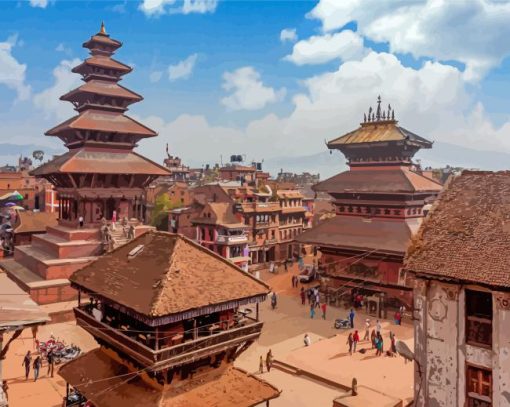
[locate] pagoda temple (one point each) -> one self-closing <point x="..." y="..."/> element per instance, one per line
<point x="379" y="204"/>
<point x="171" y="317"/>
<point x="100" y="181"/>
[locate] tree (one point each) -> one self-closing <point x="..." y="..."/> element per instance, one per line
<point x="160" y="212"/>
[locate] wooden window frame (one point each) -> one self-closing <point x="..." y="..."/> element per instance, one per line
<point x="478" y="396"/>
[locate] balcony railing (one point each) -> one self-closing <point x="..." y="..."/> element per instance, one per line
<point x="232" y="239"/>
<point x="173" y="355"/>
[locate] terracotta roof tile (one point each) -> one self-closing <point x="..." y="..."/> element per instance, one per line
<point x="111" y="122"/>
<point x="225" y="387"/>
<point x="376" y="180"/>
<point x="102" y="62"/>
<point x="466" y="235"/>
<point x="107" y="88"/>
<point x="171" y="275"/>
<point x="221" y="214"/>
<point x="101" y="162"/>
<point x="355" y="232"/>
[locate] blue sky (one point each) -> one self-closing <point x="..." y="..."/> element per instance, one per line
<point x="223" y="78"/>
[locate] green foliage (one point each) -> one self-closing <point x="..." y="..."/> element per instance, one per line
<point x="162" y="206"/>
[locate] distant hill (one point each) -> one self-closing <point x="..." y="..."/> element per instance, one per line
<point x="440" y="155"/>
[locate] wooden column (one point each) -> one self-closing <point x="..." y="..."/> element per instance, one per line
<point x="195" y="332"/>
<point x="257" y="312"/>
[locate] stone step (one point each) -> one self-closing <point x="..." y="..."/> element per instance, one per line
<point x="62" y="248"/>
<point x="46" y="265"/>
<point x="42" y="291"/>
<point x="68" y="233"/>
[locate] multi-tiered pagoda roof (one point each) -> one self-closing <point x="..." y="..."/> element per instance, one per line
<point x="101" y="133"/>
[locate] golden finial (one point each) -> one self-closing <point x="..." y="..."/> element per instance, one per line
<point x="103" y="30"/>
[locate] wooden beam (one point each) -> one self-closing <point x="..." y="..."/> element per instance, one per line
<point x="73" y="182"/>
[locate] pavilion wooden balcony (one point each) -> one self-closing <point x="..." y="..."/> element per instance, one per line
<point x="159" y="359"/>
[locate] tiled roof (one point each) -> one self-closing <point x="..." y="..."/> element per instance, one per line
<point x="399" y="179"/>
<point x="289" y="193"/>
<point x="466" y="235"/>
<point x="102" y="381"/>
<point x="106" y="88"/>
<point x="102" y="162"/>
<point x="102" y="62"/>
<point x="378" y="132"/>
<point x="171" y="275"/>
<point x="111" y="122"/>
<point x="221" y="213"/>
<point x="355" y="232"/>
<point x="34" y="222"/>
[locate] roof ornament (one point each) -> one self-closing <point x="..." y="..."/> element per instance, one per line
<point x="393" y="115"/>
<point x="102" y="30"/>
<point x="364" y="117"/>
<point x="378" y="114"/>
<point x="370" y="113"/>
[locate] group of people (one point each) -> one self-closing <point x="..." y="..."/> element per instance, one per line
<point x="269" y="362"/>
<point x="375" y="337"/>
<point x="37" y="363"/>
<point x="313" y="296"/>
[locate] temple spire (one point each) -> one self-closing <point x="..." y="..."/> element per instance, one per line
<point x="379" y="115"/>
<point x="103" y="29"/>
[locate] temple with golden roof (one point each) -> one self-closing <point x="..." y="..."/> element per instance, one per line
<point x="379" y="205"/>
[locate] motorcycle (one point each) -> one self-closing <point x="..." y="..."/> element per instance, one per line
<point x="341" y="323"/>
<point x="67" y="354"/>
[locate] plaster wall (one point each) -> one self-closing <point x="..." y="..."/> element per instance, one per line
<point x="442" y="353"/>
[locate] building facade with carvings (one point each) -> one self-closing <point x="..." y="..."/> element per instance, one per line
<point x="379" y="205"/>
<point x="460" y="261"/>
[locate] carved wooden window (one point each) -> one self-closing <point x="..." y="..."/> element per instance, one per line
<point x="479" y="318"/>
<point x="478" y="387"/>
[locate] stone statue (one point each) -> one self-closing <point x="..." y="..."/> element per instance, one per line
<point x="131" y="232"/>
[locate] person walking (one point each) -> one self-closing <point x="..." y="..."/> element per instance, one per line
<point x="380" y="345"/>
<point x="393" y="341"/>
<point x="312" y="311"/>
<point x="261" y="365"/>
<point x="377" y="327"/>
<point x="373" y="337"/>
<point x="317" y="299"/>
<point x="269" y="360"/>
<point x="350" y="342"/>
<point x="80" y="220"/>
<point x="273" y="300"/>
<point x="351" y="318"/>
<point x="303" y="296"/>
<point x="307" y="340"/>
<point x="324" y="306"/>
<point x="114" y="219"/>
<point x="37" y="367"/>
<point x="51" y="362"/>
<point x="355" y="340"/>
<point x="367" y="330"/>
<point x="398" y="318"/>
<point x="27" y="360"/>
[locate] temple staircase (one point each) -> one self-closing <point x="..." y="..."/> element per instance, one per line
<point x="119" y="236"/>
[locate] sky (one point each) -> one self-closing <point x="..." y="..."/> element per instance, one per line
<point x="271" y="80"/>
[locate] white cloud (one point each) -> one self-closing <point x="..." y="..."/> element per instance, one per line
<point x="39" y="3"/>
<point x="155" y="76"/>
<point x="62" y="48"/>
<point x="288" y="34"/>
<point x="433" y="101"/>
<point x="473" y="32"/>
<point x="48" y="100"/>
<point x="345" y="45"/>
<point x="12" y="73"/>
<point x="247" y="90"/>
<point x="199" y="6"/>
<point x="159" y="7"/>
<point x="183" y="69"/>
